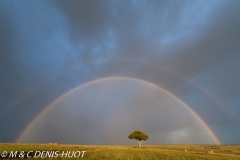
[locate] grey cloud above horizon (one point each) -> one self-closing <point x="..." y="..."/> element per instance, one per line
<point x="189" y="48"/>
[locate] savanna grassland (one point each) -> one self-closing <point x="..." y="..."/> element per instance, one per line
<point x="147" y="152"/>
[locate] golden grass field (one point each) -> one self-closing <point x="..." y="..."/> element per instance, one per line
<point x="146" y="152"/>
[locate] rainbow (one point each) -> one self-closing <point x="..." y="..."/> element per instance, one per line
<point x="126" y="78"/>
<point x="204" y="92"/>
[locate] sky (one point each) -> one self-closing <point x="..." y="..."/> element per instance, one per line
<point x="91" y="72"/>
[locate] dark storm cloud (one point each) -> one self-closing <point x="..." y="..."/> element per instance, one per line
<point x="50" y="47"/>
<point x="7" y="32"/>
<point x="219" y="43"/>
<point x="87" y="19"/>
<point x="8" y="67"/>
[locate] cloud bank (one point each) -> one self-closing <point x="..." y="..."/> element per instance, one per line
<point x="190" y="48"/>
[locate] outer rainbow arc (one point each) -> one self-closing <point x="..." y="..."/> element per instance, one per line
<point x="33" y="90"/>
<point x="204" y="92"/>
<point x="129" y="78"/>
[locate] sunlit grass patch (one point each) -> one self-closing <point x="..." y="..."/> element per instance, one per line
<point x="146" y="152"/>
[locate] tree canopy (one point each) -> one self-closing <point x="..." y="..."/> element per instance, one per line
<point x="139" y="136"/>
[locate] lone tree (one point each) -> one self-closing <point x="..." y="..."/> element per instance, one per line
<point x="138" y="135"/>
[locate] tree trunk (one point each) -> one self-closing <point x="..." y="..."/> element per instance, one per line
<point x="139" y="143"/>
